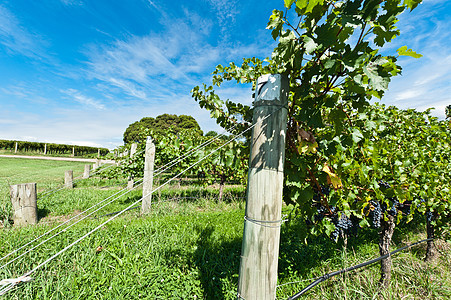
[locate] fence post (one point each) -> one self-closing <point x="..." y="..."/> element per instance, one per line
<point x="261" y="236"/>
<point x="24" y="202"/>
<point x="69" y="179"/>
<point x="148" y="176"/>
<point x="45" y="149"/>
<point x="15" y="149"/>
<point x="131" y="182"/>
<point x="87" y="171"/>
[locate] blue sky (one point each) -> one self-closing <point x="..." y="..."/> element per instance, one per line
<point x="80" y="71"/>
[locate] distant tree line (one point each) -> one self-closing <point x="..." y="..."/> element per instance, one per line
<point x="50" y="148"/>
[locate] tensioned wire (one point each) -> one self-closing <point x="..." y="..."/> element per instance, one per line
<point x="60" y="187"/>
<point x="137" y="184"/>
<point x="11" y="285"/>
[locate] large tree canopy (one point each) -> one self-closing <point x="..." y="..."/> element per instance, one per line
<point x="161" y="124"/>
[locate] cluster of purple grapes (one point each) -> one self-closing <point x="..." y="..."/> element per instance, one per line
<point x="393" y="209"/>
<point x="384" y="184"/>
<point x="324" y="190"/>
<point x="375" y="213"/>
<point x="344" y="225"/>
<point x="320" y="213"/>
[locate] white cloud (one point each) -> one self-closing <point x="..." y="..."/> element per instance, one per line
<point x="226" y="11"/>
<point x="16" y="38"/>
<point x="425" y="81"/>
<point x="84" y="100"/>
<point x="72" y="2"/>
<point x="154" y="66"/>
<point x="128" y="87"/>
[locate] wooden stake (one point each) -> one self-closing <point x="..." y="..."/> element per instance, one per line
<point x="24" y="202"/>
<point x="260" y="248"/>
<point x="148" y="176"/>
<point x="87" y="171"/>
<point x="131" y="181"/>
<point x="69" y="179"/>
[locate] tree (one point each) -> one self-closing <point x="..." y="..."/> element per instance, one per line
<point x="161" y="124"/>
<point x="211" y="133"/>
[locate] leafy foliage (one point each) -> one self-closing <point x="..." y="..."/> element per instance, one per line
<point x="161" y="124"/>
<point x="227" y="164"/>
<point x="330" y="51"/>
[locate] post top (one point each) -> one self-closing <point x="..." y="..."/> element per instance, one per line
<point x="272" y="87"/>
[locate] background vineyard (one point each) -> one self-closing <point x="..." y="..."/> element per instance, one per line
<point x="24" y="147"/>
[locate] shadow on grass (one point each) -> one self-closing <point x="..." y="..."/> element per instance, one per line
<point x="218" y="263"/>
<point x="42" y="213"/>
<point x="217" y="257"/>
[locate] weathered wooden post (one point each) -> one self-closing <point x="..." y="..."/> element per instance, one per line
<point x="69" y="179"/>
<point x="96" y="165"/>
<point x="148" y="176"/>
<point x="260" y="248"/>
<point x="131" y="182"/>
<point x="87" y="171"/>
<point x="24" y="202"/>
<point x="73" y="151"/>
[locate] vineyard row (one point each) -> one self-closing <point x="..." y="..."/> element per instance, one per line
<point x="50" y="148"/>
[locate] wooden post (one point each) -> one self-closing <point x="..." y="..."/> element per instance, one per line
<point x="73" y="151"/>
<point x="131" y="182"/>
<point x="87" y="171"/>
<point x="148" y="176"/>
<point x="24" y="202"/>
<point x="15" y="149"/>
<point x="260" y="248"/>
<point x="69" y="179"/>
<point x="96" y="165"/>
<point x="98" y="152"/>
<point x="45" y="149"/>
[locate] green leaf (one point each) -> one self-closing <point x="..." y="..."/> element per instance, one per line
<point x="288" y="3"/>
<point x="301" y="4"/>
<point x="356" y="136"/>
<point x="408" y="52"/>
<point x="376" y="81"/>
<point x="412" y="3"/>
<point x="309" y="44"/>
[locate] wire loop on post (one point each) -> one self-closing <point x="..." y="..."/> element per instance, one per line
<point x="262" y="222"/>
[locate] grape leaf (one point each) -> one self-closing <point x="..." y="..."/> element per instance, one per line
<point x="408" y="52"/>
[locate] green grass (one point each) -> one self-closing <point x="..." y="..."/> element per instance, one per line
<point x="189" y="247"/>
<point x="47" y="174"/>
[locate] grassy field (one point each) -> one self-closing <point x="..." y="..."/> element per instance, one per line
<point x="47" y="174"/>
<point x="189" y="248"/>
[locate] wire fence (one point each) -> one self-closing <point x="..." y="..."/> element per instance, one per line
<point x="11" y="283"/>
<point x="60" y="187"/>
